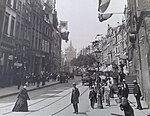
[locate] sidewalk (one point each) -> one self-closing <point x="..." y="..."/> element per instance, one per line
<point x="145" y="111"/>
<point x="114" y="110"/>
<point x="9" y="91"/>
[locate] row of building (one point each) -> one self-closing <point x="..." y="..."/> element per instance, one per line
<point x="113" y="48"/>
<point x="30" y="41"/>
<point x="129" y="43"/>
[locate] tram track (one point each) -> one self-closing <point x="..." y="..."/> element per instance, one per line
<point x="35" y="97"/>
<point x="38" y="102"/>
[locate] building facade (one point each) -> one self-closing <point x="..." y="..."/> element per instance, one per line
<point x="30" y="41"/>
<point x="139" y="20"/>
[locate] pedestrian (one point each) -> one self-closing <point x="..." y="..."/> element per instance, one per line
<point x="90" y="82"/>
<point x="75" y="98"/>
<point x="21" y="104"/>
<point x="107" y="94"/>
<point x="38" y="80"/>
<point x="122" y="76"/>
<point x="18" y="80"/>
<point x="111" y="89"/>
<point x="125" y="89"/>
<point x="92" y="97"/>
<point x="137" y="94"/>
<point x="125" y="106"/>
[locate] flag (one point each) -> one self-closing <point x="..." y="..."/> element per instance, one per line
<point x="103" y="17"/>
<point x="64" y="25"/>
<point x="65" y="35"/>
<point x="103" y="5"/>
<point x="64" y="30"/>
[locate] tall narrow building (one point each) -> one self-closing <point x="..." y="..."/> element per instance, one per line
<point x="70" y="52"/>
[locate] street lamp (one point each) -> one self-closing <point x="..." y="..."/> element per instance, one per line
<point x="99" y="92"/>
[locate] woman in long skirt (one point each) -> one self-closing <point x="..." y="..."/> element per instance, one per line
<point x="21" y="104"/>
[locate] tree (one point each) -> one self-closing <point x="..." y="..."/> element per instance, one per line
<point x="83" y="60"/>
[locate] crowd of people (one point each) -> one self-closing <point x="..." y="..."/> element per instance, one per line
<point x="107" y="85"/>
<point x="41" y="79"/>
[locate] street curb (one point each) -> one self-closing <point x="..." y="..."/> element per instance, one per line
<point x="36" y="88"/>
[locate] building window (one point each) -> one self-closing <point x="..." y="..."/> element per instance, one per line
<point x="9" y="3"/>
<point x="25" y="32"/>
<point x="36" y="42"/>
<point x="17" y="29"/>
<point x="14" y="4"/>
<point x="28" y="34"/>
<point x="19" y="6"/>
<point x="12" y="26"/>
<point x="29" y="18"/>
<point x="6" y="23"/>
<point x="32" y="41"/>
<point x="22" y="30"/>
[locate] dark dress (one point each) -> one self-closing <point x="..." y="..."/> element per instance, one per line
<point x="21" y="104"/>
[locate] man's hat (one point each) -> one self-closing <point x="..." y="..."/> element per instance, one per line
<point x="134" y="81"/>
<point x="74" y="83"/>
<point x="123" y="80"/>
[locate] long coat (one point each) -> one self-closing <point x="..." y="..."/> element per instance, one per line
<point x="92" y="95"/>
<point x="136" y="91"/>
<point x="21" y="104"/>
<point x="75" y="96"/>
<point x="125" y="106"/>
<point x="125" y="90"/>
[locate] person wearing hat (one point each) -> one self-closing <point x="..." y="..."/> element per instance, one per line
<point x="21" y="104"/>
<point x="124" y="89"/>
<point x="75" y="98"/>
<point x="92" y="97"/>
<point x="137" y="94"/>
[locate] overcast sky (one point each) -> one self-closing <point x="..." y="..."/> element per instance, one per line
<point x="82" y="17"/>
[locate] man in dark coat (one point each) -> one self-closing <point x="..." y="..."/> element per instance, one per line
<point x="21" y="104"/>
<point x="137" y="94"/>
<point x="92" y="97"/>
<point x="125" y="89"/>
<point x="125" y="106"/>
<point x="122" y="76"/>
<point x="90" y="82"/>
<point x="75" y="98"/>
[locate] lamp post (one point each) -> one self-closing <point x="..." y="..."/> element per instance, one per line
<point x="99" y="91"/>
